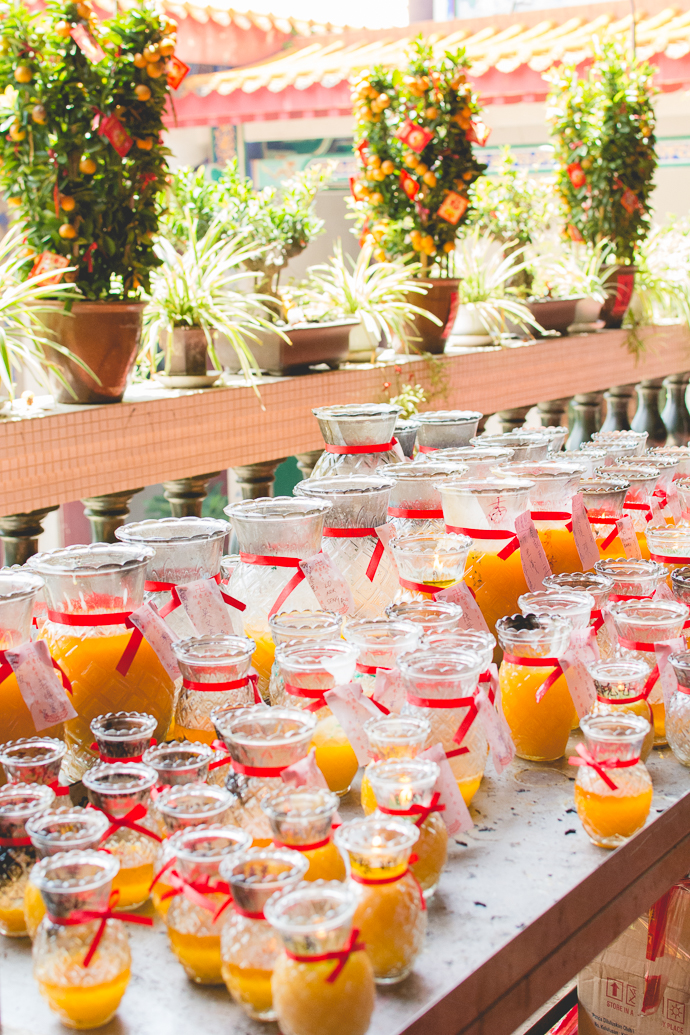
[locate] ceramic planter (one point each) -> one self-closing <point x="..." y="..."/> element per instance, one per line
<point x="186" y="358"/>
<point x="469" y="329"/>
<point x="311" y="343"/>
<point x="362" y="345"/>
<point x="620" y="284"/>
<point x="441" y="299"/>
<point x="553" y="314"/>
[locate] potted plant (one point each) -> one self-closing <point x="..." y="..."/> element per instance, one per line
<point x="414" y="133"/>
<point x="82" y="162"/>
<point x="568" y="282"/>
<point x="603" y="128"/>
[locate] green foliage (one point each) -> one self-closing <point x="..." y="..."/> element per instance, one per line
<point x="190" y="191"/>
<point x="512" y="206"/>
<point x="410" y="399"/>
<point x="485" y="285"/>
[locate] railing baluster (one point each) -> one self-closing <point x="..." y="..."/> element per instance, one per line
<point x="617" y="408"/>
<point x="307" y="461"/>
<point x="186" y="495"/>
<point x="647" y="417"/>
<point x="587" y="408"/>
<point x="106" y="513"/>
<point x="19" y="534"/>
<point x="512" y="419"/>
<point x="554" y="412"/>
<point x="257" y="480"/>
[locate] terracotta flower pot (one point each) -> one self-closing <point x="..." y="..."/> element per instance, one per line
<point x="186" y="359"/>
<point x="620" y="285"/>
<point x="311" y="343"/>
<point x="106" y="336"/>
<point x="554" y="314"/>
<point x="441" y="299"/>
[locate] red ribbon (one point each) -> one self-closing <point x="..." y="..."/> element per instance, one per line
<point x="601" y="765"/>
<point x="669" y="560"/>
<point x="175" y="602"/>
<point x="316" y="696"/>
<point x="422" y="812"/>
<point x="233" y="684"/>
<point x="114" y="761"/>
<point x="277" y="562"/>
<point x="340" y="955"/>
<point x="403" y="512"/>
<point x="303" y="848"/>
<point x="596" y="619"/>
<point x="640" y="506"/>
<point x="451" y="702"/>
<point x="423" y="587"/>
<point x="14" y="842"/>
<point x="382" y="447"/>
<point x="605" y="543"/>
<point x="58" y="790"/>
<point x="649" y="648"/>
<point x="360" y="533"/>
<point x="128" y="821"/>
<point x="553" y="515"/>
<point x="88" y="256"/>
<point x="195" y="891"/>
<point x="376" y="881"/>
<point x="163" y="869"/>
<point x="516" y="659"/>
<point x="629" y="596"/>
<point x="428" y="449"/>
<point x="84" y="916"/>
<point x="484" y="533"/>
<point x="110" y="618"/>
<point x="246" y="912"/>
<point x="255" y="770"/>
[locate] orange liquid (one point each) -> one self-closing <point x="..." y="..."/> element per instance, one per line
<point x="324" y="863"/>
<point x="199" y="955"/>
<point x="34" y="910"/>
<point x="607" y="817"/>
<point x="559" y="547"/>
<point x="367" y="796"/>
<point x="334" y="755"/>
<point x="615" y="549"/>
<point x="659" y="715"/>
<point x="496" y="584"/>
<point x="390" y="920"/>
<point x="12" y="923"/>
<point x="183" y="733"/>
<point x="540" y="731"/>
<point x="251" y="988"/>
<point x="85" y="1006"/>
<point x="16" y="717"/>
<point x="306" y="1002"/>
<point x="263" y="656"/>
<point x="160" y="904"/>
<point x="431" y="851"/>
<point x="133" y="884"/>
<point x="469" y="787"/>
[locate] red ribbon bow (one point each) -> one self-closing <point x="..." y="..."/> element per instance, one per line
<point x="340" y="955"/>
<point x="516" y="659"/>
<point x="605" y="543"/>
<point x="128" y="822"/>
<point x="109" y="618"/>
<point x="196" y="891"/>
<point x="600" y="765"/>
<point x="423" y="587"/>
<point x="649" y="649"/>
<point x="484" y="533"/>
<point x="277" y="562"/>
<point x="360" y="533"/>
<point x="422" y="812"/>
<point x="84" y="916"/>
<point x="451" y="702"/>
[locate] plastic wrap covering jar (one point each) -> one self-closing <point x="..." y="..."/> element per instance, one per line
<point x="590" y="460"/>
<point x="613" y="790"/>
<point x="302" y="820"/>
<point x="678" y="709"/>
<point x="392" y="737"/>
<point x="406" y="434"/>
<point x="622" y="686"/>
<point x="486" y="511"/>
<point x="90" y="592"/>
<point x="531" y="647"/>
<point x="359" y="438"/>
<point x="59" y="830"/>
<point x="551" y="502"/>
<point x="179" y="762"/>
<point x="323" y="980"/>
<point x="429" y="563"/>
<point x="82" y="968"/>
<point x="308" y="670"/>
<point x="19" y="802"/>
<point x="415" y="503"/>
<point x="299" y="627"/>
<point x="479" y="460"/>
<point x="445" y="429"/>
<point x="679" y="453"/>
<point x="599" y="587"/>
<point x="432" y="616"/>
<point x="525" y="447"/>
<point x="261" y="742"/>
<point x="249" y="945"/>
<point x="616" y="450"/>
<point x="122" y="736"/>
<point x="633" y="439"/>
<point x="557" y="435"/>
<point x="274" y="536"/>
<point x="670" y="546"/>
<point x="641" y="624"/>
<point x="440" y="686"/>
<point x="185" y="550"/>
<point x="604" y="498"/>
<point x="215" y="671"/>
<point x="18" y="592"/>
<point x="360" y="506"/>
<point x="123" y="794"/>
<point x="638" y="501"/>
<point x="34" y="760"/>
<point x="380" y="642"/>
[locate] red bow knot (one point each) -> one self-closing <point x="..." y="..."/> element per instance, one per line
<point x="600" y="765"/>
<point x="340" y="955"/>
<point x="196" y="891"/>
<point x="128" y="822"/>
<point x="85" y="916"/>
<point x="422" y="812"/>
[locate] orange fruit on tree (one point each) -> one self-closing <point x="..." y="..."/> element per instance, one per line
<point x="155" y="70"/>
<point x="63" y="28"/>
<point x="87" y="166"/>
<point x="67" y="203"/>
<point x="23" y="74"/>
<point x="67" y="231"/>
<point x="39" y="114"/>
<point x="429" y="178"/>
<point x="152" y="52"/>
<point x="144" y="143"/>
<point x="166" y="46"/>
<point x="140" y="61"/>
<point x="142" y="92"/>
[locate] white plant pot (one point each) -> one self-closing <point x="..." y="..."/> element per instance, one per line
<point x="362" y="345"/>
<point x="469" y="328"/>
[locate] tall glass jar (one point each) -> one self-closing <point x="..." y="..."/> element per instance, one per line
<point x="680" y="585"/>
<point x="66" y="829"/>
<point x="638" y="501"/>
<point x="90" y="592"/>
<point x="34" y="760"/>
<point x="429" y="563"/>
<point x="308" y="670"/>
<point x="621" y="686"/>
<point x="406" y="434"/>
<point x="215" y="671"/>
<point x="440" y="686"/>
<point x="531" y="647"/>
<point x="249" y="945"/>
<point x="391" y="912"/>
<point x="298" y="626"/>
<point x="632" y="580"/>
<point x="432" y="616"/>
<point x="483" y="643"/>
<point x="261" y="742"/>
<point x="640" y="625"/>
<point x="274" y="536"/>
<point x="599" y="587"/>
<point x="82" y="969"/>
<point x="19" y="802"/>
<point x="604" y="497"/>
<point x="380" y="643"/>
<point x="524" y="446"/>
<point x="551" y="502"/>
<point x="359" y="438"/>
<point x="185" y="549"/>
<point x="445" y="429"/>
<point x="486" y="511"/>
<point x="678" y="709"/>
<point x="122" y="792"/>
<point x="479" y="460"/>
<point x="302" y="820"/>
<point x="122" y="736"/>
<point x="392" y="738"/>
<point x="670" y="546"/>
<point x="415" y="502"/>
<point x="179" y="762"/>
<point x="613" y="790"/>
<point x="359" y="507"/>
<point x="637" y="440"/>
<point x="323" y="980"/>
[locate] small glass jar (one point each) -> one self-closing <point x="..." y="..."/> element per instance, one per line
<point x="678" y="709"/>
<point x="679" y="453"/>
<point x="391" y="912"/>
<point x="405" y="789"/>
<point x="215" y="671"/>
<point x="614" y="450"/>
<point x="302" y="819"/>
<point x="19" y="802"/>
<point x="589" y="460"/>
<point x="122" y="792"/>
<point x="440" y="686"/>
<point x="82" y="969"/>
<point x="432" y="616"/>
<point x="69" y="829"/>
<point x="415" y="504"/>
<point x="632" y="580"/>
<point x="479" y="460"/>
<point x="621" y="686"/>
<point x="194" y="929"/>
<point x="33" y="760"/>
<point x="532" y="645"/>
<point x="680" y="584"/>
<point x="445" y="429"/>
<point x="599" y="587"/>
<point x="323" y="981"/>
<point x="524" y="446"/>
<point x="392" y="737"/>
<point x="122" y="736"/>
<point x="308" y="670"/>
<point x="574" y="604"/>
<point x="612" y="799"/>
<point x="633" y="439"/>
<point x="298" y="626"/>
<point x="179" y="762"/>
<point x="670" y="546"/>
<point x="638" y="501"/>
<point x="261" y="742"/>
<point x="380" y="642"/>
<point x="429" y="563"/>
<point x="249" y="946"/>
<point x="604" y="497"/>
<point x="347" y="429"/>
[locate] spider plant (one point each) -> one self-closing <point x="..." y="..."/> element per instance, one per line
<point x="485" y="273"/>
<point x="571" y="270"/>
<point x="662" y="280"/>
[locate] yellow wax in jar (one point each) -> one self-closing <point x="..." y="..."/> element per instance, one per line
<point x="496" y="584"/>
<point x="644" y="549"/>
<point x="614" y="549"/>
<point x="133" y="883"/>
<point x="12" y="923"/>
<point x="388" y="917"/>
<point x="559" y="547"/>
<point x="307" y="1003"/>
<point x="183" y="733"/>
<point x="324" y="863"/>
<point x="334" y="755"/>
<point x="16" y="717"/>
<point x="431" y="851"/>
<point x="469" y="787"/>
<point x="607" y="816"/>
<point x="367" y="796"/>
<point x="540" y="731"/>
<point x="659" y="715"/>
<point x="264" y="655"/>
<point x="85" y="1006"/>
<point x="34" y="909"/>
<point x="249" y="986"/>
<point x="261" y="842"/>
<point x="199" y="955"/>
<point x="160" y="904"/>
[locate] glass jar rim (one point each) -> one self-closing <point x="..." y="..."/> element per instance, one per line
<point x="272" y="803"/>
<point x="358" y="834"/>
<point x="573" y="601"/>
<point x="301" y="653"/>
<point x="356" y="411"/>
<point x="155" y="756"/>
<point x="235" y="839"/>
<point x="108" y="865"/>
<point x="339" y="903"/>
<point x="289" y="621"/>
<point x="216" y="796"/>
<point x="137" y="777"/>
<point x="487" y="486"/>
<point x="422" y="470"/>
<point x="621" y="669"/>
<point x="444" y="542"/>
<point x="548" y="624"/>
<point x="273" y="508"/>
<point x="650" y="612"/>
<point x="17" y="752"/>
<point x="71" y="816"/>
<point x="18" y="584"/>
<point x="105" y="726"/>
<point x="681" y="576"/>
<point x="389" y="728"/>
<point x="469" y="453"/>
<point x="21" y="800"/>
<point x="602" y="726"/>
<point x="449" y="417"/>
<point x="596" y="486"/>
<point x="234" y="868"/>
<point x="465" y="662"/>
<point x="622" y="568"/>
<point x="173" y="530"/>
<point x="516" y="438"/>
<point x="374" y="632"/>
<point x="600" y="583"/>
<point x="237" y="718"/>
<point x="84" y="560"/>
<point x="342" y="487"/>
<point x="425" y="609"/>
<point x="389" y="770"/>
<point x="216" y="649"/>
<point x="543" y="470"/>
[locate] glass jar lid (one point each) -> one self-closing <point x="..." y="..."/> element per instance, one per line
<point x="172" y="529"/>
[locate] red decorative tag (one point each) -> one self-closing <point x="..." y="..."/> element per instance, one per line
<point x="177" y="70"/>
<point x="478" y="133"/>
<point x="111" y="128"/>
<point x="452" y="313"/>
<point x="576" y="174"/>
<point x="416" y="137"/>
<point x="409" y="185"/>
<point x="361" y="148"/>
<point x="46" y="262"/>
<point x="624" y="289"/>
<point x="630" y="201"/>
<point x="453" y="207"/>
<point x="87" y="44"/>
<point x="574" y="234"/>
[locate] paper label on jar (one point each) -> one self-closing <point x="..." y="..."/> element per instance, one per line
<point x="673" y="502"/>
<point x="461" y="594"/>
<point x="583" y="650"/>
<point x="585" y="542"/>
<point x="205" y="607"/>
<point x="626" y="534"/>
<point x="352" y="709"/>
<point x="398" y="450"/>
<point x="328" y="584"/>
<point x="386" y="533"/>
<point x="662" y="592"/>
<point x="456" y="815"/>
<point x="158" y="635"/>
<point x="497" y="732"/>
<point x="389" y="690"/>
<point x="304" y="773"/>
<point x="39" y="684"/>
<point x="662" y="651"/>
<point x="658" y="520"/>
<point x="535" y="564"/>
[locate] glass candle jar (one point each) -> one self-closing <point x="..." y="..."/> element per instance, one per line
<point x="557" y="434"/>
<point x="358" y="438"/>
<point x="249" y="945"/>
<point x="200" y="897"/>
<point x="679" y="453"/>
<point x="82" y="968"/>
<point x="440" y="686"/>
<point x="68" y="829"/>
<point x="531" y="647"/>
<point x="632" y="580"/>
<point x="323" y="981"/>
<point x="483" y="643"/>
<point x="392" y="737"/>
<point x="298" y="626"/>
<point x="636" y="440"/>
<point x="680" y="584"/>
<point x="574" y="604"/>
<point x="432" y="616"/>
<point x="122" y="792"/>
<point x="391" y="912"/>
<point x="638" y="501"/>
<point x="90" y="592"/>
<point x="479" y="460"/>
<point x="678" y="709"/>
<point x="445" y="429"/>
<point x="589" y="460"/>
<point x="604" y="498"/>
<point x="621" y="686"/>
<point x="406" y="434"/>
<point x="429" y="563"/>
<point x="179" y="762"/>
<point x="613" y="450"/>
<point x="122" y="736"/>
<point x="599" y="587"/>
<point x="613" y="790"/>
<point x="406" y="789"/>
<point x="302" y="819"/>
<point x="308" y="670"/>
<point x="261" y="742"/>
<point x="380" y="642"/>
<point x="19" y="802"/>
<point x="34" y="760"/>
<point x="670" y="546"/>
<point x="215" y="671"/>
<point x="359" y="507"/>
<point x="415" y="504"/>
<point x="525" y="447"/>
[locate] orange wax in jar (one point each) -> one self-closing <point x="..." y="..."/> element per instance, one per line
<point x="182" y="733"/>
<point x="85" y="1006"/>
<point x="559" y="547"/>
<point x="496" y="583"/>
<point x="367" y="796"/>
<point x="12" y="922"/>
<point x="16" y="717"/>
<point x="540" y="731"/>
<point x="198" y="954"/>
<point x="160" y="904"/>
<point x="610" y="815"/>
<point x="133" y="883"/>
<point x="250" y="986"/>
<point x="264" y="654"/>
<point x="307" y="1003"/>
<point x="334" y="755"/>
<point x="34" y="909"/>
<point x="324" y="863"/>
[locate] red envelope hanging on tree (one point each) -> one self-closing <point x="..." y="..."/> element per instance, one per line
<point x="47" y="261"/>
<point x="409" y="185"/>
<point x="87" y="44"/>
<point x="414" y="136"/>
<point x="111" y="128"/>
<point x="630" y="201"/>
<point x="453" y="207"/>
<point x="576" y="174"/>
<point x="574" y="234"/>
<point x="478" y="133"/>
<point x="177" y="70"/>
